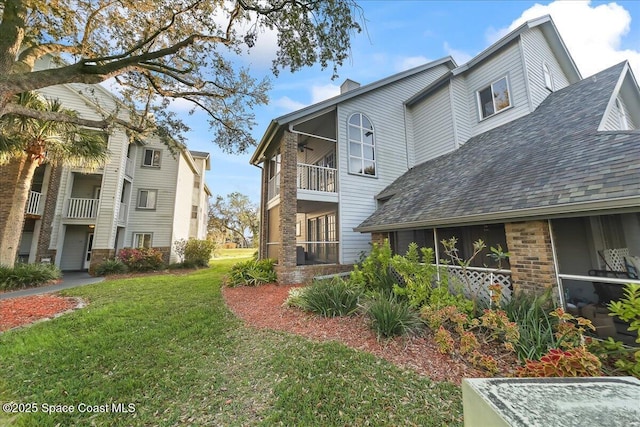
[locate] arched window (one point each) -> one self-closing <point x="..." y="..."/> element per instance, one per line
<point x="548" y="80"/>
<point x="362" y="158"/>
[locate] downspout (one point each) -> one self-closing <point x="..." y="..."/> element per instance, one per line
<point x="561" y="300"/>
<point x="437" y="252"/>
<point x="260" y="254"/>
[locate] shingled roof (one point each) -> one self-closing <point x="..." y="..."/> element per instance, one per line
<point x="550" y="162"/>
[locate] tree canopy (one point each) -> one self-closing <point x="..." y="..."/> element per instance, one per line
<point x="162" y="50"/>
<point x="234" y="218"/>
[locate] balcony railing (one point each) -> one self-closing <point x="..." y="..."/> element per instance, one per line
<point x="122" y="213"/>
<point x="274" y="186"/>
<point x="316" y="178"/>
<point x="128" y="168"/>
<point x="33" y="204"/>
<point x="82" y="208"/>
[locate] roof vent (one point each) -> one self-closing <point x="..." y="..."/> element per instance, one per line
<point x="348" y="85"/>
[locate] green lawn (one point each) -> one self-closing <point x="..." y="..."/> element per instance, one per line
<point x="166" y="349"/>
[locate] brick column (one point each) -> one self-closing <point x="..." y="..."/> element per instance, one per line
<point x="532" y="266"/>
<point x="48" y="212"/>
<point x="288" y="200"/>
<point x="98" y="256"/>
<point x="379" y="238"/>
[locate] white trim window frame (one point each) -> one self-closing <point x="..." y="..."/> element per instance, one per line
<point x="548" y="77"/>
<point x="142" y="240"/>
<point x="494" y="98"/>
<point x="361" y="146"/>
<point x="147" y="199"/>
<point x="151" y="158"/>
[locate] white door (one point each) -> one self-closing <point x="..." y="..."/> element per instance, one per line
<point x="87" y="255"/>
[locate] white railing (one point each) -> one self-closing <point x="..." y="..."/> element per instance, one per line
<point x="122" y="213"/>
<point x="128" y="167"/>
<point x="274" y="186"/>
<point x="33" y="204"/>
<point x="82" y="208"/>
<point x="478" y="281"/>
<point x="316" y="178"/>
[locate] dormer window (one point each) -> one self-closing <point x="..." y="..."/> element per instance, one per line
<point x="622" y="115"/>
<point x="494" y="98"/>
<point x="362" y="158"/>
<point x="548" y="80"/>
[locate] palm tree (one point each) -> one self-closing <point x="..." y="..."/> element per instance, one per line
<point x="26" y="143"/>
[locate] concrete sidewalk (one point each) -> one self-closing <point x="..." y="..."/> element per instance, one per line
<point x="70" y="279"/>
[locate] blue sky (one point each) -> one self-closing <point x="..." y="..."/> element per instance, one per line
<point x="402" y="34"/>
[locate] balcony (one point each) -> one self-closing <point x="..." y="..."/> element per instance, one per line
<point x="122" y="213"/>
<point x="317" y="178"/>
<point x="82" y="208"/>
<point x="33" y="203"/>
<point x="313" y="183"/>
<point x="128" y="168"/>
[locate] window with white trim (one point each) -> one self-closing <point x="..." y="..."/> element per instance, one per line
<point x="194" y="212"/>
<point x="141" y="240"/>
<point x="362" y="157"/>
<point x="494" y="98"/>
<point x="151" y="158"/>
<point x="147" y="199"/>
<point x="548" y="79"/>
<point x="622" y="115"/>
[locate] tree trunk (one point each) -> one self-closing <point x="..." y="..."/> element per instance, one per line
<point x="15" y="183"/>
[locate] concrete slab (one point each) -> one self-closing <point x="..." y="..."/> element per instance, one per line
<point x="547" y="402"/>
<point x="70" y="279"/>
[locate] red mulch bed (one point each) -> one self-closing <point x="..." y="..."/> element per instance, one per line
<point x="262" y="307"/>
<point x="22" y="311"/>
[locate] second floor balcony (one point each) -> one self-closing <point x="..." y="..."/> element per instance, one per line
<point x="79" y="208"/>
<point x="320" y="180"/>
<point x="34" y="203"/>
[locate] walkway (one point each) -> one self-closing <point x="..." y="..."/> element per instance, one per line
<point x="70" y="279"/>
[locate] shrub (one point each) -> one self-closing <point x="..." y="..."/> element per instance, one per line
<point x="390" y="317"/>
<point x="625" y="360"/>
<point x="252" y="273"/>
<point x="575" y="362"/>
<point x="419" y="277"/>
<point x="141" y="259"/>
<point x="535" y="325"/>
<point x="330" y="298"/>
<point x="373" y="273"/>
<point x="23" y="275"/>
<point x="198" y="252"/>
<point x="294" y="297"/>
<point x="111" y="266"/>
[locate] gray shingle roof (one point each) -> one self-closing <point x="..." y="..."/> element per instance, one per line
<point x="548" y="161"/>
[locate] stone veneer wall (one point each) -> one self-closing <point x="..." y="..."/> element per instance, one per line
<point x="303" y="274"/>
<point x="379" y="238"/>
<point x="98" y="256"/>
<point x="532" y="265"/>
<point x="288" y="200"/>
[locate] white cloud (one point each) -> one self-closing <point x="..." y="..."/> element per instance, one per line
<point x="406" y="63"/>
<point x="592" y="34"/>
<point x="287" y="104"/>
<point x="320" y="93"/>
<point x="459" y="56"/>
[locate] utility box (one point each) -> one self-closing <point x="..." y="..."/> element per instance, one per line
<point x="546" y="402"/>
